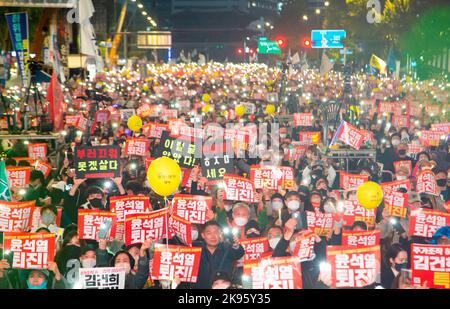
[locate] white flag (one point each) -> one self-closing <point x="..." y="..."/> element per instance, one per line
<point x="296" y="58"/>
<point x="182" y="56"/>
<point x="326" y="65"/>
<point x="201" y="59"/>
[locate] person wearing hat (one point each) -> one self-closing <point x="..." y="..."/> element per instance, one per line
<point x="221" y="281"/>
<point x="42" y="279"/>
<point x="442" y="236"/>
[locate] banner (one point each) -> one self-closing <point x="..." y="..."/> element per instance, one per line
<point x="37" y="151"/>
<point x="136" y="147"/>
<point x="424" y="222"/>
<point x="18" y="177"/>
<point x="309" y="138"/>
<point x="296" y="152"/>
<point x="349" y="135"/>
<point x="180" y="149"/>
<point x="360" y="238"/>
<point x="444" y="128"/>
<point x="126" y="205"/>
<point x="55" y="99"/>
<point x="44" y="167"/>
<point x="386" y="108"/>
<point x="320" y="223"/>
<point x="29" y="250"/>
<point x="395" y="185"/>
<point x="396" y="203"/>
<point x="255" y="247"/>
<point x="97" y="162"/>
<point x="239" y="138"/>
<point x="180" y="228"/>
<point x="426" y="183"/>
<point x="238" y="189"/>
<point x="353" y="267"/>
<point x="349" y="181"/>
<point x="170" y="261"/>
<point x="102" y="278"/>
<point x="403" y="164"/>
<point x="430" y="138"/>
<point x="272" y="177"/>
<point x="96" y="224"/>
<point x="400" y="121"/>
<point x="274" y="273"/>
<point x="193" y="208"/>
<point x="140" y="227"/>
<point x="16" y="216"/>
<point x="154" y="130"/>
<point x="303" y="119"/>
<point x="430" y="263"/>
<point x="304" y="249"/>
<point x="355" y="212"/>
<point x="18" y="30"/>
<point x="217" y="162"/>
<point x="81" y="123"/>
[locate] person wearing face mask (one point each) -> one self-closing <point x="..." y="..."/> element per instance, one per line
<point x="48" y="219"/>
<point x="402" y="173"/>
<point x="123" y="259"/>
<point x="88" y="257"/>
<point x="43" y="279"/>
<point x="241" y="216"/>
<point x="277" y="205"/>
<point x="274" y="235"/>
<point x="37" y="191"/>
<point x="402" y="149"/>
<point x="441" y="180"/>
<point x="96" y="199"/>
<point x="294" y="207"/>
<point x="396" y="260"/>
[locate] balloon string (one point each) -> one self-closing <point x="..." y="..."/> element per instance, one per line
<point x="166" y="204"/>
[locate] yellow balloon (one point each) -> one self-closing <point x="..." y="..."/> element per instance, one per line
<point x="134" y="123"/>
<point x="206" y="98"/>
<point x="270" y="109"/>
<point x="145" y="87"/>
<point x="206" y="108"/>
<point x="369" y="195"/>
<point x="164" y="176"/>
<point x="240" y="110"/>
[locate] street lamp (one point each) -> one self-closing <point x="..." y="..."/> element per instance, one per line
<point x="317" y="11"/>
<point x="305" y="17"/>
<point x="327" y="3"/>
<point x="267" y="24"/>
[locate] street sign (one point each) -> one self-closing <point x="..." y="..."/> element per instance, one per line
<point x="328" y="38"/>
<point x="268" y="47"/>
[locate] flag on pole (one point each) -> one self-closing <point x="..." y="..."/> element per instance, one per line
<point x="326" y="65"/>
<point x="5" y="194"/>
<point x="378" y="63"/>
<point x="349" y="135"/>
<point x="55" y="99"/>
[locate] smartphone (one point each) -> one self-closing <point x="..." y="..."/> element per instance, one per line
<point x="406" y="277"/>
<point x="395" y="221"/>
<point x="105" y="228"/>
<point x="301" y="221"/>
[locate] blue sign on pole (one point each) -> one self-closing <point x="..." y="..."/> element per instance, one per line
<point x="327" y="38"/>
<point x="18" y="29"/>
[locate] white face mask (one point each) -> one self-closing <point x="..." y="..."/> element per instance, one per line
<point x="328" y="208"/>
<point x="227" y="207"/>
<point x="395" y="142"/>
<point x="88" y="263"/>
<point x="273" y="242"/>
<point x="283" y="135"/>
<point x="124" y="265"/>
<point x="293" y="205"/>
<point x="240" y="221"/>
<point x="194" y="234"/>
<point x="277" y="205"/>
<point x="401" y="177"/>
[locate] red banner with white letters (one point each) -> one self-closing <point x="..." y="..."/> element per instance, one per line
<point x="238" y="189"/>
<point x="136" y="147"/>
<point x="141" y="227"/>
<point x="37" y="151"/>
<point x="16" y="216"/>
<point x="193" y="208"/>
<point x="91" y="222"/>
<point x="396" y="203"/>
<point x="430" y="266"/>
<point x="349" y="181"/>
<point x="425" y="222"/>
<point x="255" y="247"/>
<point x="360" y="238"/>
<point x="18" y="177"/>
<point x="426" y="183"/>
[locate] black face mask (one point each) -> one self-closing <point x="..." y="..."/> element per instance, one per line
<point x="441" y="182"/>
<point x="402" y="152"/>
<point x="252" y="235"/>
<point x="96" y="203"/>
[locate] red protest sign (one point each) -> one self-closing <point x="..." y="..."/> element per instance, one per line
<point x="274" y="273"/>
<point x="169" y="113"/>
<point x="148" y="161"/>
<point x="37" y="151"/>
<point x="81" y="123"/>
<point x="239" y="138"/>
<point x="147" y="110"/>
<point x="444" y="128"/>
<point x="360" y="238"/>
<point x="400" y="121"/>
<point x="430" y="138"/>
<point x="429" y="263"/>
<point x="136" y="147"/>
<point x="304" y="249"/>
<point x="353" y="211"/>
<point x="415" y="148"/>
<point x="154" y="130"/>
<point x="102" y="116"/>
<point x="353" y="267"/>
<point x="296" y="152"/>
<point x="403" y="164"/>
<point x="91" y="222"/>
<point x="29" y="250"/>
<point x="390" y="107"/>
<point x="367" y="136"/>
<point x="71" y="120"/>
<point x="349" y="181"/>
<point x="18" y="176"/>
<point x="424" y="222"/>
<point x="350" y="135"/>
<point x="126" y="205"/>
<point x="16" y="216"/>
<point x="272" y="177"/>
<point x="320" y="223"/>
<point x="426" y="183"/>
<point x="140" y="227"/>
<point x="187" y="177"/>
<point x="303" y="119"/>
<point x="44" y="167"/>
<point x="170" y="261"/>
<point x="180" y="228"/>
<point x="309" y="138"/>
<point x="193" y="208"/>
<point x="238" y="189"/>
<point x="396" y="203"/>
<point x="395" y="185"/>
<point x="255" y="247"/>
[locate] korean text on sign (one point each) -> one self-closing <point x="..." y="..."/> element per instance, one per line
<point x="351" y="181"/>
<point x="90" y="222"/>
<point x="112" y="278"/>
<point x="319" y="223"/>
<point x="37" y="151"/>
<point x="425" y="223"/>
<point x="141" y="227"/>
<point x="180" y="228"/>
<point x="395" y="185"/>
<point x="255" y="247"/>
<point x="18" y="177"/>
<point x="360" y="238"/>
<point x="97" y="162"/>
<point x="431" y="264"/>
<point x="304" y="249"/>
<point x="136" y="147"/>
<point x="238" y="189"/>
<point x="126" y="205"/>
<point x="353" y="267"/>
<point x="16" y="216"/>
<point x="272" y="177"/>
<point x="193" y="208"/>
<point x="396" y="203"/>
<point x="29" y="250"/>
<point x="353" y="211"/>
<point x="170" y="261"/>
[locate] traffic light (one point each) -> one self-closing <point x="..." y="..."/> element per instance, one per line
<point x="251" y="51"/>
<point x="281" y="42"/>
<point x="306" y="43"/>
<point x="240" y="51"/>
